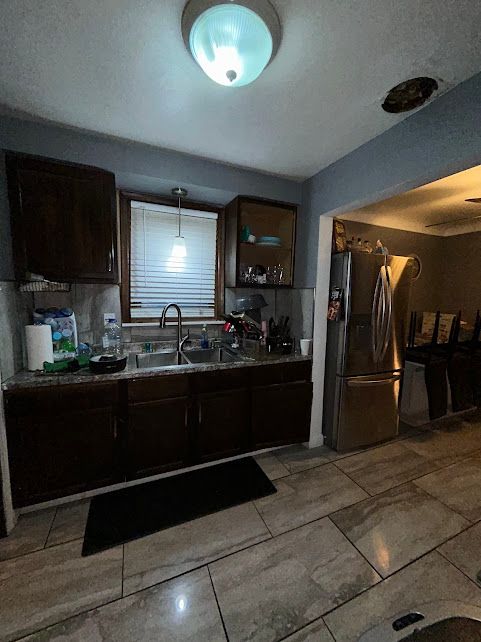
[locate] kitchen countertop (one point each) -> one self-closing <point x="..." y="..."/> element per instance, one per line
<point x="27" y="379"/>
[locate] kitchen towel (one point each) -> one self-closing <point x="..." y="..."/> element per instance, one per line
<point x="39" y="346"/>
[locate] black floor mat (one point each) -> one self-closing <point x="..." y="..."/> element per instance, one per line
<point x="124" y="515"/>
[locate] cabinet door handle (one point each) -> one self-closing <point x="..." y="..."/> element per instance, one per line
<point x="200" y="413"/>
<point x="186" y="415"/>
<point x="115" y="428"/>
<point x="109" y="261"/>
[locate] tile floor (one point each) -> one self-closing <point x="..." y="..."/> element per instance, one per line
<point x="347" y="541"/>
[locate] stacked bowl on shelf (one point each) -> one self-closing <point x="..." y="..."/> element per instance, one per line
<point x="271" y="241"/>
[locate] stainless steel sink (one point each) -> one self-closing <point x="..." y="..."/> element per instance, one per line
<point x="212" y="355"/>
<point x="161" y="358"/>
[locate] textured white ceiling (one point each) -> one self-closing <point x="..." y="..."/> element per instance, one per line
<point x="120" y="67"/>
<point x="442" y="201"/>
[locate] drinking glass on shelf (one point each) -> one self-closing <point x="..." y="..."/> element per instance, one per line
<point x="280" y="274"/>
<point x="276" y="274"/>
<point x="273" y="274"/>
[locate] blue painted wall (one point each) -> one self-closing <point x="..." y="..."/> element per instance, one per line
<point x="441" y="139"/>
<point x="137" y="167"/>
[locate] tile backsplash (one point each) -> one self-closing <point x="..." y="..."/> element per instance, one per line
<point x="14" y="315"/>
<point x="90" y="301"/>
<point x="296" y="303"/>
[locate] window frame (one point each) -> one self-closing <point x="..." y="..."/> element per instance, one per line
<point x="125" y="200"/>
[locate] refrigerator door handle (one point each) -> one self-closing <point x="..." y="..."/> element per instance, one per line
<point x="382" y="327"/>
<point x="352" y="383"/>
<point x="381" y="317"/>
<point x="375" y="315"/>
<point x="388" y="325"/>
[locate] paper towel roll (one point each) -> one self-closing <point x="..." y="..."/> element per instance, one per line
<point x="39" y="346"/>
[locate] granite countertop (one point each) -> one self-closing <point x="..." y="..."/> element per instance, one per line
<point x="26" y="379"/>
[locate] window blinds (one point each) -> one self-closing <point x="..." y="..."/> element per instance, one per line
<point x="157" y="277"/>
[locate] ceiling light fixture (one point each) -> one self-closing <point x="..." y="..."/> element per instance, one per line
<point x="233" y="42"/>
<point x="178" y="248"/>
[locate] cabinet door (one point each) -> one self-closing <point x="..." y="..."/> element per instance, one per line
<point x="223" y="425"/>
<point x="37" y="204"/>
<point x="157" y="437"/>
<point x="266" y="219"/>
<point x="90" y="229"/>
<point x="62" y="454"/>
<point x="63" y="219"/>
<point x="281" y="414"/>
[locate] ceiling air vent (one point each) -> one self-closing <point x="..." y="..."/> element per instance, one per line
<point x="409" y="94"/>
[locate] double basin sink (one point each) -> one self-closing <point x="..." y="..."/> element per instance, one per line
<point x="190" y="357"/>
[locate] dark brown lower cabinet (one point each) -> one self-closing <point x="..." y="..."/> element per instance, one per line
<point x="157" y="437"/>
<point x="64" y="440"/>
<point x="281" y="414"/>
<point x="222" y="428"/>
<point x="62" y="454"/>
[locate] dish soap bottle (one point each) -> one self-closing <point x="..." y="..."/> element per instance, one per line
<point x="112" y="337"/>
<point x="204" y="338"/>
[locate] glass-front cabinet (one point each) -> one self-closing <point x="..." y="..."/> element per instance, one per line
<point x="260" y="240"/>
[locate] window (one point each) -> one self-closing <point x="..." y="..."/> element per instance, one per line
<point x="156" y="276"/>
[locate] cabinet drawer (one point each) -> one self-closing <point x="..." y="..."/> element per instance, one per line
<point x="281" y="373"/>
<point x="266" y="375"/>
<point x="221" y="380"/>
<point x="158" y="388"/>
<point x="61" y="399"/>
<point x="297" y="371"/>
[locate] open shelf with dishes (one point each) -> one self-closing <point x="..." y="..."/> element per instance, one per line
<point x="260" y="240"/>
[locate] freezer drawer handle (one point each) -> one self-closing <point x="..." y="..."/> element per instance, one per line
<point x="372" y="382"/>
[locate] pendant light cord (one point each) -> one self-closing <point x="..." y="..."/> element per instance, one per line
<point x="180" y="214"/>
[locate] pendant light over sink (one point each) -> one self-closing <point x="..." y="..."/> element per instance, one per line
<point x="179" y="250"/>
<point x="232" y="42"/>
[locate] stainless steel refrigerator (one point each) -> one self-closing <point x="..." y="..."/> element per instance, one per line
<point x="365" y="348"/>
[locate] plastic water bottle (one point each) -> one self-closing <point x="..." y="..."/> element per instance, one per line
<point x="204" y="337"/>
<point x="112" y="338"/>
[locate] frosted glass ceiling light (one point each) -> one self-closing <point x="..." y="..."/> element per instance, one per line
<point x="233" y="42"/>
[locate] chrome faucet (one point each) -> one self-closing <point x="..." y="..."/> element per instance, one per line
<point x="180" y="340"/>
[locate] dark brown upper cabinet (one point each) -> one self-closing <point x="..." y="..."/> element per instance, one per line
<point x="63" y="220"/>
<point x="244" y="260"/>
